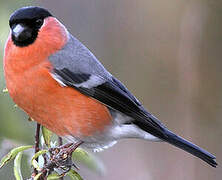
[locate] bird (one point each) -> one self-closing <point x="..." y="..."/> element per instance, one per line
<point x="60" y="84"/>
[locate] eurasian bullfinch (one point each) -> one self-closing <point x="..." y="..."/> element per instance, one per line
<point x="59" y="83"/>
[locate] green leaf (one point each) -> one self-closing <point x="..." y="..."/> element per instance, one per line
<point x="37" y="176"/>
<point x="17" y="167"/>
<point x="36" y="155"/>
<point x="30" y="119"/>
<point x="54" y="176"/>
<point x="41" y="161"/>
<point x="12" y="154"/>
<point x="36" y="165"/>
<point x="5" y="90"/>
<point x="47" y="134"/>
<point x="88" y="160"/>
<point x="74" y="175"/>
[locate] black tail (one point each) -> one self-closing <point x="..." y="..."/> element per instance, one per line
<point x="164" y="134"/>
<point x="190" y="148"/>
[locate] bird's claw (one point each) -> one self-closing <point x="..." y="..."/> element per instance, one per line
<point x="61" y="158"/>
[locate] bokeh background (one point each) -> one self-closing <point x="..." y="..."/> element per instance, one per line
<point x="168" y="53"/>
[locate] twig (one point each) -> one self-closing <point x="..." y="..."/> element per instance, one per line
<point x="60" y="140"/>
<point x="37" y="133"/>
<point x="37" y="138"/>
<point x="60" y="144"/>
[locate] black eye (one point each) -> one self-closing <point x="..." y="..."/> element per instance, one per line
<point x="39" y="22"/>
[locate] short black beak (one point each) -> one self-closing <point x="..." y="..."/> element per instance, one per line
<point x="21" y="32"/>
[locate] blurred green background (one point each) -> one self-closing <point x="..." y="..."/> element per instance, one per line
<point x="168" y="53"/>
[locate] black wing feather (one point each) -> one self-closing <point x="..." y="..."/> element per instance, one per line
<point x="116" y="96"/>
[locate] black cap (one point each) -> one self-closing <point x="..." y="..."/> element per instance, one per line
<point x="29" y="13"/>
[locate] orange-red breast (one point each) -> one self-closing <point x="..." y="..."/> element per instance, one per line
<point x="58" y="82"/>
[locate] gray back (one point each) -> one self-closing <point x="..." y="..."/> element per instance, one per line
<point x="78" y="59"/>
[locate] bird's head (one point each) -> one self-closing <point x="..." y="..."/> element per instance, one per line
<point x="31" y="24"/>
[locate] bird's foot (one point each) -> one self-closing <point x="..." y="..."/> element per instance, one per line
<point x="61" y="157"/>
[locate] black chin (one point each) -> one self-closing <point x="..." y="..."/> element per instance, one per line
<point x="23" y="42"/>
